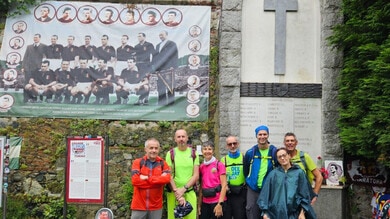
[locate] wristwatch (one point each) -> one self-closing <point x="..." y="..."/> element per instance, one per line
<point x="220" y="203"/>
<point x="315" y="195"/>
<point x="186" y="187"/>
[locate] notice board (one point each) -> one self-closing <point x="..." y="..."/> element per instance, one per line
<point x="85" y="170"/>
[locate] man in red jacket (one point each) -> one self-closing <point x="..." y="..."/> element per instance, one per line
<point x="149" y="175"/>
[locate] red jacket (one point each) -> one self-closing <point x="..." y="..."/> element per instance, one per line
<point x="148" y="194"/>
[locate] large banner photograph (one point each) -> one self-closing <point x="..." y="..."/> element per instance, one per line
<point x="106" y="61"/>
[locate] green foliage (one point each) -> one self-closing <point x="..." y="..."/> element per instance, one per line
<point x="8" y="130"/>
<point x="214" y="55"/>
<point x="15" y="209"/>
<point x="165" y="147"/>
<point x="60" y="151"/>
<point x="123" y="122"/>
<point x="54" y="210"/>
<point x="11" y="8"/>
<point x="164" y="124"/>
<point x="34" y="199"/>
<point x="197" y="125"/>
<point x="23" y="166"/>
<point x="213" y="81"/>
<point x="365" y="80"/>
<point x="27" y="206"/>
<point x="125" y="195"/>
<point x="88" y="127"/>
<point x="127" y="191"/>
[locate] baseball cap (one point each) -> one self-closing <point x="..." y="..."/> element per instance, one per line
<point x="181" y="211"/>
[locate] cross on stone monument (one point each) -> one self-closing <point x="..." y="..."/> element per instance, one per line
<point x="281" y="7"/>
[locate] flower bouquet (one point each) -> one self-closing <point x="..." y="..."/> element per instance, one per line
<point x="323" y="170"/>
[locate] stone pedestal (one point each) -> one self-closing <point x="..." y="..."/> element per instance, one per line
<point x="331" y="203"/>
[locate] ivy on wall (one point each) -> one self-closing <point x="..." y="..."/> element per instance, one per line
<point x="17" y="7"/>
<point x="364" y="83"/>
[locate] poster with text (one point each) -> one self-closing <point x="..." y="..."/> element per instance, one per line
<point x="106" y="61"/>
<point x="85" y="170"/>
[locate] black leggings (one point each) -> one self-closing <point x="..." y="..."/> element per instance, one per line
<point x="207" y="211"/>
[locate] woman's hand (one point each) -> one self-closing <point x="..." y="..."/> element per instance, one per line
<point x="313" y="200"/>
<point x="179" y="192"/>
<point x="302" y="215"/>
<point x="181" y="201"/>
<point x="218" y="210"/>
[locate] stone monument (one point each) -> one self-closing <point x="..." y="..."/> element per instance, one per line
<point x="278" y="69"/>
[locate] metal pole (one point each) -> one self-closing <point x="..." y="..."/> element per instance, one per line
<point x="4" y="206"/>
<point x="65" y="206"/>
<point x="106" y="160"/>
<point x="5" y="173"/>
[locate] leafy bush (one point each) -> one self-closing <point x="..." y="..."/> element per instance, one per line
<point x="54" y="210"/>
<point x="364" y="81"/>
<point x="126" y="194"/>
<point x="15" y="209"/>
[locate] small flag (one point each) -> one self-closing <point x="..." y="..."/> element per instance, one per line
<point x="15" y="144"/>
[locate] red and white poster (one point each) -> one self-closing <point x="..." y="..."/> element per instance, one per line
<point x="85" y="170"/>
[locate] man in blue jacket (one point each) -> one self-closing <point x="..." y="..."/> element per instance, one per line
<point x="259" y="160"/>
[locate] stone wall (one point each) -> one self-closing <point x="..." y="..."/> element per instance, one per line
<point x="43" y="158"/>
<point x="230" y="70"/>
<point x="47" y="182"/>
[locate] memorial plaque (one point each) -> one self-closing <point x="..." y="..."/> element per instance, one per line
<point x="299" y="115"/>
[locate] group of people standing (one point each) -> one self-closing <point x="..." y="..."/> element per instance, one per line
<point x="264" y="182"/>
<point x="99" y="70"/>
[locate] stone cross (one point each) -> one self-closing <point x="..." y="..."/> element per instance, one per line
<point x="280" y="7"/>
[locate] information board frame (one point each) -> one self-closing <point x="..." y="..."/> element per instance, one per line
<point x="84" y="182"/>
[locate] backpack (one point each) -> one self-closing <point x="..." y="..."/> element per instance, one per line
<point x="251" y="177"/>
<point x="172" y="153"/>
<point x="234" y="164"/>
<point x="303" y="161"/>
<point x="271" y="152"/>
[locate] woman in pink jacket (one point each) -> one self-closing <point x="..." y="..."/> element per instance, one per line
<point x="213" y="184"/>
